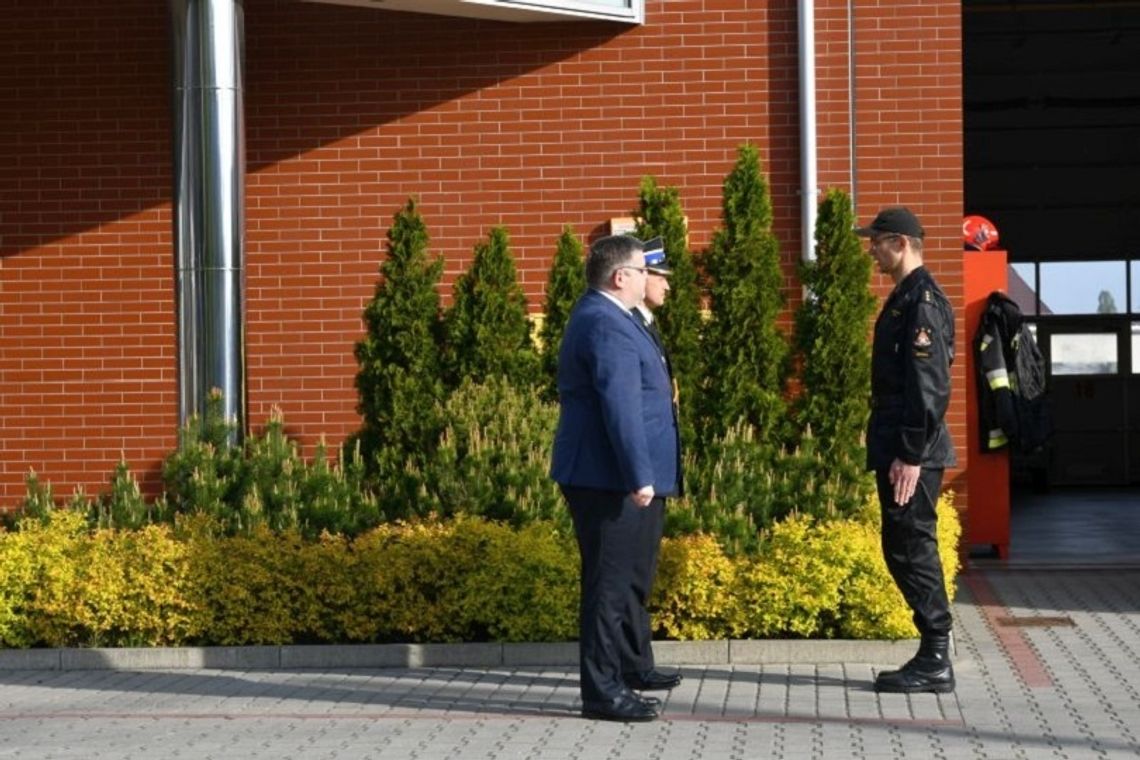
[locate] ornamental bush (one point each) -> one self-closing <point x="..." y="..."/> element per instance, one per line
<point x="659" y="213"/>
<point x="746" y="351"/>
<point x="467" y="579"/>
<point x="263" y="482"/>
<point x="400" y="375"/>
<point x="832" y="328"/>
<point x="737" y="485"/>
<point x="493" y="456"/>
<point x="488" y="332"/>
<point x="564" y="286"/>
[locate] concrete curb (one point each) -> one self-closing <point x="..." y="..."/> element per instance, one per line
<point x="475" y="655"/>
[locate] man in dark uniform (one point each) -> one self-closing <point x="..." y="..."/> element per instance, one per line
<point x="908" y="445"/>
<point x="639" y="669"/>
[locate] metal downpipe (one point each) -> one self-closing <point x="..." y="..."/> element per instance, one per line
<point x="208" y="204"/>
<point x="809" y="179"/>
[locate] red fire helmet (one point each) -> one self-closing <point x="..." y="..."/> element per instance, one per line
<point x="979" y="233"/>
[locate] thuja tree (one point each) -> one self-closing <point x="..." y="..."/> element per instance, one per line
<point x="565" y="284"/>
<point x="746" y="351"/>
<point x="659" y="213"/>
<point x="399" y="378"/>
<point x="832" y="325"/>
<point x="488" y="333"/>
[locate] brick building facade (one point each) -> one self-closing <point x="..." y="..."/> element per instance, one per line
<point x="349" y="111"/>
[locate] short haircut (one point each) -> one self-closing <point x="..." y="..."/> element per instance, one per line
<point x="915" y="244"/>
<point x="606" y="255"/>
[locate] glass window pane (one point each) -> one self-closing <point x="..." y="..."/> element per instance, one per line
<point x="1082" y="354"/>
<point x="1135" y="346"/>
<point x="1023" y="287"/>
<point x="1135" y="304"/>
<point x="1082" y="287"/>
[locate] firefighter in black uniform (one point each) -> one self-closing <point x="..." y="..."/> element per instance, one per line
<point x="908" y="445"/>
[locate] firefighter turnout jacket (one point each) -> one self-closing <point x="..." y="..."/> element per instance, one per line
<point x="995" y="391"/>
<point x="1011" y="374"/>
<point x="910" y="376"/>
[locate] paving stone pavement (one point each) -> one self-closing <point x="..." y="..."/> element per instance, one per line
<point x="1066" y="687"/>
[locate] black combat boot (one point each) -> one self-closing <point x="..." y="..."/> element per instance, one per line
<point x="929" y="670"/>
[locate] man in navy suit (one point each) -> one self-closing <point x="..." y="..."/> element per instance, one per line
<point x="615" y="455"/>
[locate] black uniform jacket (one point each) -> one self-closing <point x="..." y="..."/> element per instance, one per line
<point x="910" y="376"/>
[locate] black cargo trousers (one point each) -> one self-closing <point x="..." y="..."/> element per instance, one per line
<point x="910" y="547"/>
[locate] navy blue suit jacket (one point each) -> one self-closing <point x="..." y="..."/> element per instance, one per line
<point x="616" y="430"/>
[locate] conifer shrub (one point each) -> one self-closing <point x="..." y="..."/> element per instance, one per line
<point x="564" y="286"/>
<point x="265" y="481"/>
<point x="659" y="213"/>
<point x="207" y="472"/>
<point x="488" y="332"/>
<point x="124" y="505"/>
<point x="727" y="490"/>
<point x="738" y="486"/>
<point x="746" y="351"/>
<point x="400" y="377"/>
<point x="493" y="456"/>
<point x="832" y="328"/>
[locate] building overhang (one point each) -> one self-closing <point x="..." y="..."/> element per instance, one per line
<point x="627" y="11"/>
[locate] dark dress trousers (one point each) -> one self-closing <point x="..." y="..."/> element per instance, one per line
<point x="617" y="432"/>
<point x="910" y="390"/>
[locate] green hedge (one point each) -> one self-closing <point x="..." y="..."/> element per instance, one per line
<point x="64" y="584"/>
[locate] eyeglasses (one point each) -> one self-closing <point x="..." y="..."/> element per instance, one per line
<point x="643" y="270"/>
<point x="877" y="241"/>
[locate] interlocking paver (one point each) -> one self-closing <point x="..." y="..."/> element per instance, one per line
<point x="1028" y="693"/>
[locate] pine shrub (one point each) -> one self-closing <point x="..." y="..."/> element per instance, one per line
<point x="493" y="457"/>
<point x="566" y="283"/>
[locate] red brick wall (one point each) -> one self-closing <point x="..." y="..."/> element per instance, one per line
<point x="86" y="300"/>
<point x="348" y="112"/>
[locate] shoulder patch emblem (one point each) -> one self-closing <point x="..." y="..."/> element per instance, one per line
<point x="926" y="296"/>
<point x="922" y="338"/>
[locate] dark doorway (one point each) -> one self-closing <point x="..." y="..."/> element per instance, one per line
<point x="1052" y="158"/>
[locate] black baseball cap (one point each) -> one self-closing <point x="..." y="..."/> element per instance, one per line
<point x="895" y="220"/>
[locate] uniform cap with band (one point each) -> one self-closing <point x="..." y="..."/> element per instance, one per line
<point x="655" y="257"/>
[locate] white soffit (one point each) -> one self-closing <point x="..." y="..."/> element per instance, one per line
<point x="631" y="12"/>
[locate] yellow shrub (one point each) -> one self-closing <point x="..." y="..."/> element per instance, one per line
<point x="692" y="595"/>
<point x="468" y="579"/>
<point x="37" y="561"/>
<point x="791" y="588"/>
<point x="873" y="605"/>
<point x="329" y="606"/>
<point x="461" y="580"/>
<point x="248" y="586"/>
<point x="403" y="570"/>
<point x="870" y="606"/>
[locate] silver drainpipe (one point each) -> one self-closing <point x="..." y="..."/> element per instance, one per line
<point x="809" y="179"/>
<point x="208" y="204"/>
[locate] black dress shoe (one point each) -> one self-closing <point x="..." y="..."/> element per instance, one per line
<point x="653" y="680"/>
<point x="628" y="708"/>
<point x="653" y="702"/>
